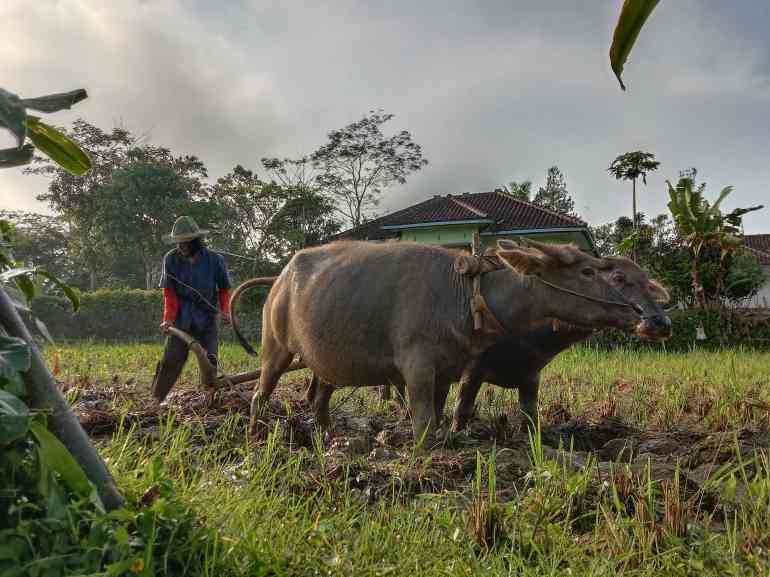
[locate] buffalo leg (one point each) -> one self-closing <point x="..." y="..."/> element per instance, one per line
<point x="528" y="392"/>
<point x="275" y="361"/>
<point x="401" y="395"/>
<point x="312" y="389"/>
<point x="386" y="394"/>
<point x="321" y="403"/>
<point x="439" y="400"/>
<point x="420" y="385"/>
<point x="470" y="383"/>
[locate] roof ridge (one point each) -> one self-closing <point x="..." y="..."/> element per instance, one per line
<point x="467" y="206"/>
<point x="388" y="215"/>
<point x="509" y="196"/>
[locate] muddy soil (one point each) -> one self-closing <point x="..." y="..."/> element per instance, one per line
<point x="376" y="451"/>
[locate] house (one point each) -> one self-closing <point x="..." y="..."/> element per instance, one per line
<point x="759" y="246"/>
<point x="452" y="220"/>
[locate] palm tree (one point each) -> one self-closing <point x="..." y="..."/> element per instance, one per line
<point x="701" y="224"/>
<point x="630" y="166"/>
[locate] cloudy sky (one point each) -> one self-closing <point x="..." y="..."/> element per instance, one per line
<point x="493" y="90"/>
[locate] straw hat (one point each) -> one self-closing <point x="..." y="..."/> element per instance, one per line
<point x="184" y="229"/>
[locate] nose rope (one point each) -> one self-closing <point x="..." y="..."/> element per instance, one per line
<point x="589" y="297"/>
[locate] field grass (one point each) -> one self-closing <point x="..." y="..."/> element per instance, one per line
<point x="514" y="507"/>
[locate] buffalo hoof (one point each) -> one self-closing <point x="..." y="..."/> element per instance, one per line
<point x="258" y="429"/>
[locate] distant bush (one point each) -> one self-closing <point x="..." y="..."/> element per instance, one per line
<point x="128" y="314"/>
<point x="723" y="328"/>
<point x="135" y="315"/>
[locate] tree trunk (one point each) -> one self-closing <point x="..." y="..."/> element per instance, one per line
<point x="147" y="275"/>
<point x="44" y="395"/>
<point x="635" y="230"/>
<point x="697" y="286"/>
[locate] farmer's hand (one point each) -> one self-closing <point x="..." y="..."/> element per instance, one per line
<point x="164" y="326"/>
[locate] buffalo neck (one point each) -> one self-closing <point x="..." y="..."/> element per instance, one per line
<point x="520" y="304"/>
<point x="514" y="300"/>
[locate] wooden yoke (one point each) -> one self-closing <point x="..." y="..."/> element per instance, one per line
<point x="208" y="372"/>
<point x="476" y="251"/>
<point x="474" y="266"/>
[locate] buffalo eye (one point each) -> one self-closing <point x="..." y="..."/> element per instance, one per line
<point x="619" y="278"/>
<point x="588" y="272"/>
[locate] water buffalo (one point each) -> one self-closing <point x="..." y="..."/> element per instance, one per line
<point x="364" y="313"/>
<point x="516" y="361"/>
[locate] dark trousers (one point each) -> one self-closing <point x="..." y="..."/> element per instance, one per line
<point x="175" y="355"/>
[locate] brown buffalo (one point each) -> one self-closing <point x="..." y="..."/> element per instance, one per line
<point x="516" y="361"/>
<point x="363" y="313"/>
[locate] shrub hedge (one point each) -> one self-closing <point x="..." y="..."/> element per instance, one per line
<point x="128" y="314"/>
<point x="135" y="315"/>
<point x="723" y="328"/>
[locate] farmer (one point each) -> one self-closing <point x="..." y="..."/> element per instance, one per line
<point x="196" y="286"/>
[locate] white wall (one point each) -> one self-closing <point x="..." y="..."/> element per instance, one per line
<point x="763" y="296"/>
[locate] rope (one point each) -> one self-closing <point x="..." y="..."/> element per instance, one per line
<point x="252" y="259"/>
<point x="589" y="297"/>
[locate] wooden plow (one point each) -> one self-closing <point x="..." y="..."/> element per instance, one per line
<point x="210" y="377"/>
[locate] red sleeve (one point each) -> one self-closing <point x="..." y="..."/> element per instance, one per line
<point x="224" y="301"/>
<point x="170" y="304"/>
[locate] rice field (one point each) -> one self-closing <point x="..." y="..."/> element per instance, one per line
<point x="647" y="464"/>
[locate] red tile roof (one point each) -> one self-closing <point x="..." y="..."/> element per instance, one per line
<point x="759" y="246"/>
<point x="503" y="212"/>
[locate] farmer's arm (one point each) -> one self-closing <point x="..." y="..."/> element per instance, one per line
<point x="170" y="297"/>
<point x="170" y="305"/>
<point x="224" y="283"/>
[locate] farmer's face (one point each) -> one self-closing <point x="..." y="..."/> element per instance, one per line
<point x="184" y="248"/>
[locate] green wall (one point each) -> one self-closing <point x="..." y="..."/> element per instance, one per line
<point x="560" y="237"/>
<point x="444" y="235"/>
<point x="454" y="235"/>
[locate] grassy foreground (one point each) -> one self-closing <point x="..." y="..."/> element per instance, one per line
<point x="290" y="508"/>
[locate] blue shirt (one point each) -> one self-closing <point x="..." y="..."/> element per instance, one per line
<point x="197" y="286"/>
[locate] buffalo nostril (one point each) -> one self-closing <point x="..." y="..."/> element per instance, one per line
<point x="662" y="322"/>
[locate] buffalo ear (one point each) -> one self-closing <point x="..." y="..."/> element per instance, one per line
<point x="659" y="293"/>
<point x="523" y="260"/>
<point x="506" y="244"/>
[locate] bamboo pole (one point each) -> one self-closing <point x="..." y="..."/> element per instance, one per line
<point x="62" y="421"/>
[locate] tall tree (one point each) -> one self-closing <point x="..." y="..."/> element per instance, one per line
<point x="75" y="198"/>
<point x="249" y="207"/>
<point x="137" y="207"/>
<point x="78" y="198"/>
<point x="554" y="194"/>
<point x="306" y="219"/>
<point x="359" y="162"/>
<point x="630" y="166"/>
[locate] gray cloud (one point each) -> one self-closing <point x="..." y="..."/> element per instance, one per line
<point x="493" y="91"/>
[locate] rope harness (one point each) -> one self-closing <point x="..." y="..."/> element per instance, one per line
<point x="477" y="266"/>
